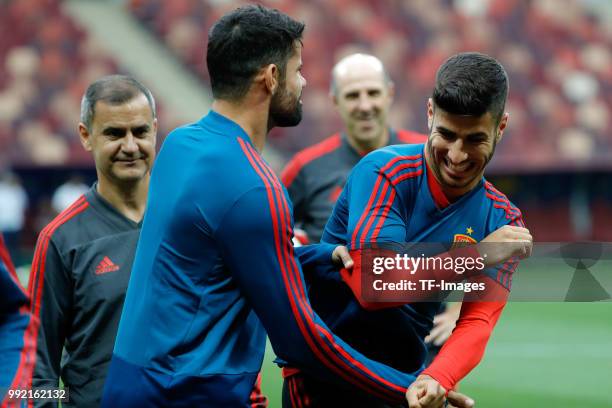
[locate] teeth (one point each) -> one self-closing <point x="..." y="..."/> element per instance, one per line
<point x="458" y="168"/>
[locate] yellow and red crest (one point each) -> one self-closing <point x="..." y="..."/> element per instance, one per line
<point x="462" y="238"/>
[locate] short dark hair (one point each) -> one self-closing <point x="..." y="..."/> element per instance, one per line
<point x="114" y="90"/>
<point x="245" y="40"/>
<point x="471" y="84"/>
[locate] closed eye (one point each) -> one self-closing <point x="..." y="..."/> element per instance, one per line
<point x="477" y="138"/>
<point x="446" y="134"/>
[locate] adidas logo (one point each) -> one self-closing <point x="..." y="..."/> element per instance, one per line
<point x="105" y="266"/>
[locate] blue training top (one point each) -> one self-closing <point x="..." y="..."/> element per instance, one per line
<point x="214" y="270"/>
<point x="387" y="201"/>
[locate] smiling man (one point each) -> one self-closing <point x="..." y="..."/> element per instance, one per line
<point x="215" y="269"/>
<point x="83" y="258"/>
<point x="362" y="93"/>
<point x="431" y="193"/>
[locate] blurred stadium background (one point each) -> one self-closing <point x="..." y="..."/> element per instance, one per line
<point x="555" y="161"/>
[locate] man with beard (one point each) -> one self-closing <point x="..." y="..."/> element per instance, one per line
<point x="83" y="258"/>
<point x="215" y="268"/>
<point x="436" y="194"/>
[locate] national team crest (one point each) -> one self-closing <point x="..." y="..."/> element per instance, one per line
<point x="462" y="238"/>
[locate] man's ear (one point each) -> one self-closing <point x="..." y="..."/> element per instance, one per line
<point x="271" y="77"/>
<point x="502" y="126"/>
<point x="333" y="98"/>
<point x="430" y="114"/>
<point x="155" y="131"/>
<point x="85" y="137"/>
<point x="391" y="90"/>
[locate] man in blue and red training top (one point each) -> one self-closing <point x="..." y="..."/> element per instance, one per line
<point x="215" y="267"/>
<point x="362" y="92"/>
<point x="432" y="193"/>
<point x="14" y="319"/>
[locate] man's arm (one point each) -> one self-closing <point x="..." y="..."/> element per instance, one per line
<point x="466" y="346"/>
<point x="444" y="323"/>
<point x="15" y="318"/>
<point x="294" y="180"/>
<point x="377" y="215"/>
<point x="260" y="255"/>
<point x="51" y="289"/>
<point x="372" y="211"/>
<point x="460" y="354"/>
<point x="314" y="254"/>
<point x="475" y="324"/>
<point x="13" y="296"/>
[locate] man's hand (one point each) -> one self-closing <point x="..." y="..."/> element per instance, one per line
<point x="444" y="323"/>
<point x="342" y="258"/>
<point x="505" y="243"/>
<point x="426" y="392"/>
<point x="459" y="400"/>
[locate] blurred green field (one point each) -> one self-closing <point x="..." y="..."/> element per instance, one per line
<point x="541" y="355"/>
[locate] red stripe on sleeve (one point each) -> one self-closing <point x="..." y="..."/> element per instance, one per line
<point x="387" y="206"/>
<point x="313" y="326"/>
<point x="375" y="212"/>
<point x="278" y="248"/>
<point x="406" y="176"/>
<point x="295" y="281"/>
<point x="383" y="217"/>
<point x="499" y="197"/>
<point x="307" y="155"/>
<point x="291" y="279"/>
<point x="23" y="379"/>
<point x="403" y="166"/>
<point x="382" y="174"/>
<point x="392" y="162"/>
<point x="295" y="289"/>
<point x="364" y="215"/>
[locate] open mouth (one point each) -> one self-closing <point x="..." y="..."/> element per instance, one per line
<point x="457" y="170"/>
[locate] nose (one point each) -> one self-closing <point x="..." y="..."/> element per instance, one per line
<point x="304" y="82"/>
<point x="365" y="104"/>
<point x="129" y="143"/>
<point x="456" y="154"/>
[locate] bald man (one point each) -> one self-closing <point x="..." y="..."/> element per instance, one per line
<point x="362" y="93"/>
